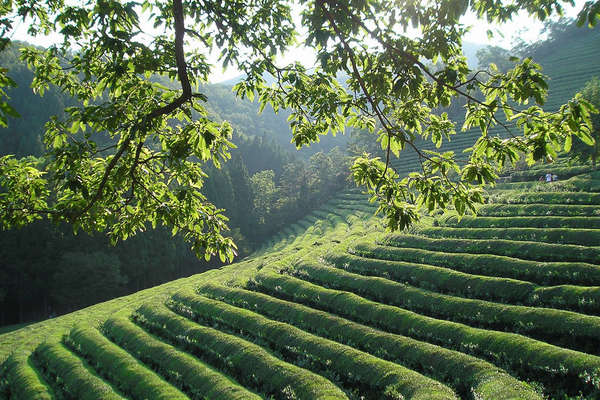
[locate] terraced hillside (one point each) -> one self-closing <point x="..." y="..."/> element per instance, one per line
<point x="502" y="306"/>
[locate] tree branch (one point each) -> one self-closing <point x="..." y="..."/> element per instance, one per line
<point x="178" y="16"/>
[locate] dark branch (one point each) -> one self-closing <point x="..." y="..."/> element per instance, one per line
<point x="185" y="96"/>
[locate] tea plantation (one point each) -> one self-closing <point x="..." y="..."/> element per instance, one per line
<point x="505" y="305"/>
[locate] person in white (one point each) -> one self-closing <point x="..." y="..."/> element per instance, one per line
<point x="548" y="177"/>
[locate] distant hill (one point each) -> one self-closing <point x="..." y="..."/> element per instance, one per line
<point x="569" y="59"/>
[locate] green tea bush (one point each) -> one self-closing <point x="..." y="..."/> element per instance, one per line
<point x="128" y="374"/>
<point x="70" y="375"/>
<point x="535" y="186"/>
<point x="582" y="237"/>
<point x="542" y="273"/>
<point x="563" y="327"/>
<point x="196" y="379"/>
<point x="586" y="183"/>
<point x="504" y="210"/>
<point x="434" y="278"/>
<point x="468" y="374"/>
<point x="561" y="172"/>
<point x="443" y="280"/>
<point x="523" y="222"/>
<point x="249" y="363"/>
<point x="22" y="380"/>
<point x="534" y="357"/>
<point x="356" y="369"/>
<point x="510" y="248"/>
<point x="520" y="197"/>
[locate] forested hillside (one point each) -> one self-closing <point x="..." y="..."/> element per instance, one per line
<point x="45" y="269"/>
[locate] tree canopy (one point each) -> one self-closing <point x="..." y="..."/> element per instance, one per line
<point x="581" y="150"/>
<point x="133" y="151"/>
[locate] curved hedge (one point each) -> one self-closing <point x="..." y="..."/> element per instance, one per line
<point x="195" y="378"/>
<point x="503" y="210"/>
<point x="564" y="327"/>
<point x="582" y="237"/>
<point x="72" y="376"/>
<point x="510" y="248"/>
<point x="249" y="363"/>
<point x="520" y="197"/>
<point x="23" y="380"/>
<point x="542" y="273"/>
<point x="524" y="222"/>
<point x="444" y="280"/>
<point x="359" y="370"/>
<point x="562" y="173"/>
<point x="533" y="356"/>
<point x="434" y="278"/>
<point x="128" y="374"/>
<point x="469" y="374"/>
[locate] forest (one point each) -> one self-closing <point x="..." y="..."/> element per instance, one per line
<point x="47" y="270"/>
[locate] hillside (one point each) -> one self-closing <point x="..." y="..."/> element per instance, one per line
<point x="335" y="308"/>
<point x="569" y="62"/>
<point x="505" y="305"/>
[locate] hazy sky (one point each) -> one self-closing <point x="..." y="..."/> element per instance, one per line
<point x="522" y="26"/>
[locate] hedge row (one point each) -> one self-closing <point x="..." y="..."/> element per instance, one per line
<point x="249" y="363"/>
<point x="544" y="360"/>
<point x="372" y="377"/>
<point x="542" y="273"/>
<point x="504" y="210"/>
<point x="131" y="376"/>
<point x="196" y="379"/>
<point x="468" y="374"/>
<point x="536" y="186"/>
<point x="70" y="375"/>
<point x="510" y="248"/>
<point x="561" y="172"/>
<point x="443" y="280"/>
<point x="524" y="222"/>
<point x="23" y="380"/>
<point x="434" y="278"/>
<point x="580" y="183"/>
<point x="582" y="237"/>
<point x="586" y="183"/>
<point x="520" y="197"/>
<point x="579" y="331"/>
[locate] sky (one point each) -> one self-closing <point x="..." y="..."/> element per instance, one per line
<point x="504" y="36"/>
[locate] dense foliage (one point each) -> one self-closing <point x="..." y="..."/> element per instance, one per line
<point x="152" y="171"/>
<point x="46" y="270"/>
<point x="581" y="150"/>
